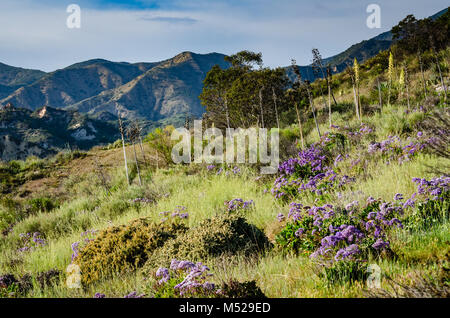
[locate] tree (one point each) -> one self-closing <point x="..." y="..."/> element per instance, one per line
<point x="245" y="59"/>
<point x="214" y="96"/>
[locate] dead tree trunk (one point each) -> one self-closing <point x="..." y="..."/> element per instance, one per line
<point x="313" y="112"/>
<point x="261" y="106"/>
<point x="137" y="164"/>
<point x="440" y="74"/>
<point x="299" y="125"/>
<point x="276" y="108"/>
<point x="422" y="73"/>
<point x="379" y="93"/>
<point x="124" y="151"/>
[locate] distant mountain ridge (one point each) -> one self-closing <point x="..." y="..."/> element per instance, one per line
<point x="362" y="51"/>
<point x="150" y="91"/>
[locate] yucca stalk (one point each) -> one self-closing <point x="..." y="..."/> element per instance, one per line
<point x="379" y="93"/>
<point x="299" y="125"/>
<point x="311" y="102"/>
<point x="401" y="82"/>
<point x="329" y="76"/>
<point x="351" y="73"/>
<point x="298" y="83"/>
<point x="357" y="82"/>
<point x="419" y="54"/>
<point x="407" y="85"/>
<point x="390" y="75"/>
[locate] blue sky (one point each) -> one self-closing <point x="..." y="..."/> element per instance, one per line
<point x="33" y="34"/>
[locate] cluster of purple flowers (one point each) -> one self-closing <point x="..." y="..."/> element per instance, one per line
<point x="77" y="246"/>
<point x="394" y="149"/>
<point x="317" y="184"/>
<point x="341" y="234"/>
<point x="134" y="294"/>
<point x="311" y="158"/>
<point x="195" y="279"/>
<point x="178" y="212"/>
<point x="142" y="200"/>
<point x="348" y="132"/>
<point x="31" y="241"/>
<point x="435" y="188"/>
<point x="238" y="204"/>
<point x="235" y="170"/>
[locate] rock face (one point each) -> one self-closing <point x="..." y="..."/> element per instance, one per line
<point x="150" y="91"/>
<point x="47" y="130"/>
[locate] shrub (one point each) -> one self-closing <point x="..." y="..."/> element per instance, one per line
<point x="184" y="279"/>
<point x="122" y="248"/>
<point x="247" y="289"/>
<point x="42" y="204"/>
<point x="224" y="233"/>
<point x="333" y="234"/>
<point x="48" y="278"/>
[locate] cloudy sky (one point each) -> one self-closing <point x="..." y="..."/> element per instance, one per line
<point x="34" y="34"/>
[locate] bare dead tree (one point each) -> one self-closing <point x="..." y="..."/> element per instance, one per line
<point x="261" y="105"/>
<point x="274" y="96"/>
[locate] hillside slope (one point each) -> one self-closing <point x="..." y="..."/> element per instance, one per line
<point x="146" y="90"/>
<point x="47" y="130"/>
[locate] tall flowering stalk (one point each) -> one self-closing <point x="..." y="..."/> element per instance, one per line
<point x="357" y="81"/>
<point x="406" y="79"/>
<point x="351" y="73"/>
<point x="390" y="75"/>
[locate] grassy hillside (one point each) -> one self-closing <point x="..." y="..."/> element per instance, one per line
<point x="92" y="198"/>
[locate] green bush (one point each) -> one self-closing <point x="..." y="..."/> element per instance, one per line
<point x="42" y="204"/>
<point x="123" y="248"/>
<point x="224" y="233"/>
